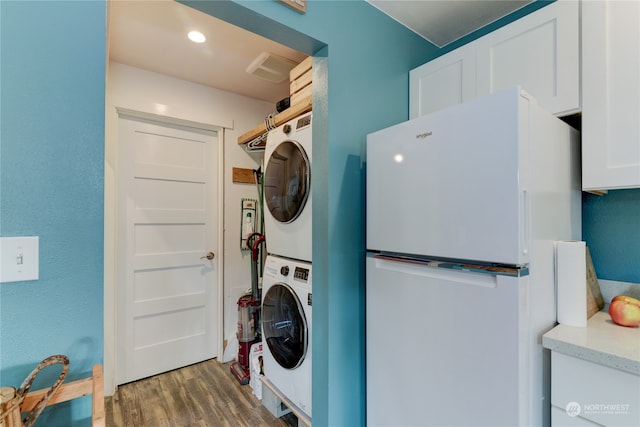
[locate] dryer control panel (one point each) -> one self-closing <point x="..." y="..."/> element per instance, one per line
<point x="301" y="274"/>
<point x="303" y="122"/>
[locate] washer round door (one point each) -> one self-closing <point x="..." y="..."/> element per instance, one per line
<point x="287" y="181"/>
<point x="284" y="326"/>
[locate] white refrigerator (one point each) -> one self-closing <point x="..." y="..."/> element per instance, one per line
<point x="463" y="208"/>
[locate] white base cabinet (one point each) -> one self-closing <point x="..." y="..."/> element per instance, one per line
<point x="611" y="95"/>
<point x="588" y="394"/>
<point x="560" y="418"/>
<point x="540" y="52"/>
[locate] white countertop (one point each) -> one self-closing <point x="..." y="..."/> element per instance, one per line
<point x="602" y="342"/>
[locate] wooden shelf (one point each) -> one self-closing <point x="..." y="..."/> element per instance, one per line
<point x="290" y="113"/>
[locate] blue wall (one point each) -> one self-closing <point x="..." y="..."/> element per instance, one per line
<point x="611" y="228"/>
<point x="51" y="185"/>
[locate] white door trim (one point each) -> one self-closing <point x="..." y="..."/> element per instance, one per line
<point x="111" y="301"/>
<point x="126" y="112"/>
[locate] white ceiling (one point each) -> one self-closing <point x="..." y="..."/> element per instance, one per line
<point x="151" y="34"/>
<point x="444" y="21"/>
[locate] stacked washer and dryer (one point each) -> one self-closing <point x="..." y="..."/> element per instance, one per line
<point x="286" y="282"/>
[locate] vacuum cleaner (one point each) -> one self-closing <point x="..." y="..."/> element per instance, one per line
<point x="248" y="332"/>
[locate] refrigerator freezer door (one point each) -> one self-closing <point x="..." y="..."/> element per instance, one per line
<point x="453" y="183"/>
<point x="444" y="348"/>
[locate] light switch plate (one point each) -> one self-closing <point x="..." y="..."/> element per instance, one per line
<point x="19" y="259"/>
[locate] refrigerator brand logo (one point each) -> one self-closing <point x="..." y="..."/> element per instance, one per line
<point x="424" y="135"/>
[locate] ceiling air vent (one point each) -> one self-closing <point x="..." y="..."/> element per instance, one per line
<point x="271" y="67"/>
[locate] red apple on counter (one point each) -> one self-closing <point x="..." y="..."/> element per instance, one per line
<point x="625" y="310"/>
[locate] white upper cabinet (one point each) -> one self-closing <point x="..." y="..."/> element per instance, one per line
<point x="445" y="81"/>
<point x="611" y="95"/>
<point x="540" y="52"/>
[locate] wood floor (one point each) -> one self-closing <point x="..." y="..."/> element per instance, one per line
<point x="201" y="395"/>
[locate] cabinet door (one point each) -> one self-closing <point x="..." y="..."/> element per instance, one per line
<point x="598" y="393"/>
<point x="611" y="95"/>
<point x="560" y="418"/>
<point x="540" y="52"/>
<point x="445" y="81"/>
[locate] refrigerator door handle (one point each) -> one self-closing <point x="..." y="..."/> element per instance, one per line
<point x="436" y="270"/>
<point x="525" y="223"/>
<point x="420" y="266"/>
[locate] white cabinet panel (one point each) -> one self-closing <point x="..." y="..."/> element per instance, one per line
<point x="560" y="418"/>
<point x="445" y="81"/>
<point x="611" y="95"/>
<point x="601" y="394"/>
<point x="539" y="52"/>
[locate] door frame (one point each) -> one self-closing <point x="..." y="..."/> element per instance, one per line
<point x="112" y="222"/>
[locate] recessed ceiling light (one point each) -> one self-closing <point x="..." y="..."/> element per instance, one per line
<point x="196" y="36"/>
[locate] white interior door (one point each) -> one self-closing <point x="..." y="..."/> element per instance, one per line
<point x="167" y="302"/>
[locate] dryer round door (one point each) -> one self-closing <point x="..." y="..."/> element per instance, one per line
<point x="287" y="181"/>
<point x="284" y="326"/>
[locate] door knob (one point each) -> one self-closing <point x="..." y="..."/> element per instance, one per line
<point x="209" y="256"/>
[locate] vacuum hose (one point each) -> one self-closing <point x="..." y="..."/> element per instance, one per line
<point x="254" y="241"/>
